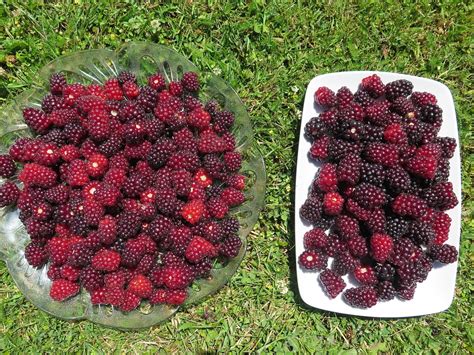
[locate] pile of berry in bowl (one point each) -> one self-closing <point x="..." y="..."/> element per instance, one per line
<point x="383" y="191"/>
<point x="130" y="184"/>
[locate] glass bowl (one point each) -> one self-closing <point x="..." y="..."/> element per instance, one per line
<point x="96" y="66"/>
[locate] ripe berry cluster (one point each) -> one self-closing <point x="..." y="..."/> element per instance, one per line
<point x="126" y="188"/>
<point x="382" y="190"/>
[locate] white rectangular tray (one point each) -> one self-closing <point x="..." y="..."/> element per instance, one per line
<point x="437" y="292"/>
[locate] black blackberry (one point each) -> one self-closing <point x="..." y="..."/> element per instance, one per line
<point x="55" y="136"/>
<point x="111" y="146"/>
<point x="386" y="291"/>
<point x="373" y="134"/>
<point x="339" y="148"/>
<point x="230" y="247"/>
<point x="79" y="226"/>
<point x="398" y="88"/>
<point x="363" y="98"/>
<point x="74" y="133"/>
<point x="432" y="114"/>
<point x="397" y="227"/>
<point x="421" y="233"/>
<point x="91" y="279"/>
<point x="372" y="173"/>
<point x="406" y="292"/>
<point x="344" y="263"/>
<point x="385" y="272"/>
<point x="160" y="152"/>
<point x="351" y="130"/>
<point x="311" y="210"/>
<point x="214" y="191"/>
<point x="445" y="253"/>
<point x="57" y="82"/>
<point x="361" y="297"/>
<point x="214" y="165"/>
<point x="332" y="283"/>
<point x="126" y="76"/>
<point x="407" y="274"/>
<point x="119" y="244"/>
<point x="442" y="172"/>
<point x="315" y="128"/>
<point x="376" y="221"/>
<point x="229" y="226"/>
<point x="147" y="98"/>
<point x="128" y="224"/>
<point x="324" y="222"/>
<point x="167" y="202"/>
<point x="51" y="103"/>
<point x="397" y="180"/>
<point x="80" y="255"/>
<point x="403" y="106"/>
<point x="448" y="146"/>
<point x="213" y="107"/>
<point x="403" y="250"/>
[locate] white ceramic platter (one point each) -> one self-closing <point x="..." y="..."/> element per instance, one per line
<point x="437" y="292"/>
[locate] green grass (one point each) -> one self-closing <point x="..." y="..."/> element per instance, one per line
<point x="268" y="52"/>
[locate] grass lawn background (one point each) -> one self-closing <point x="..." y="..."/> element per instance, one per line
<point x="268" y="52"/>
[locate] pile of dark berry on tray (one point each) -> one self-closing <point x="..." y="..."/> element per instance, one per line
<point x="382" y="190"/>
<point x="126" y="188"/>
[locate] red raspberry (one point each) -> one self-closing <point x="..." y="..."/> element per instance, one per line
<point x="199" y="118"/>
<point x="315" y="239"/>
<point x="198" y="249"/>
<point x="441" y="225"/>
<point x="77" y="173"/>
<point x="72" y="92"/>
<point x="422" y="166"/>
<point x="383" y="154"/>
<point x="327" y="178"/>
<point x="325" y="97"/>
<point x="381" y="246"/>
<point x="423" y="98"/>
<point x="373" y="85"/>
<point x="332" y="283"/>
<point x="233" y="161"/>
<point x="176" y="297"/>
<point x="36" y="255"/>
<point x="130" y="89"/>
<point x="175" y="88"/>
<point x="37" y="175"/>
<point x="193" y="210"/>
<point x="236" y="181"/>
<point x="69" y="272"/>
<point x="140" y="286"/>
<point x="177" y="276"/>
<point x="63" y="289"/>
<point x="97" y="165"/>
<point x="9" y="194"/>
<point x="7" y="166"/>
<point x="106" y="260"/>
<point x="365" y="275"/>
<point x="319" y="148"/>
<point x="232" y="197"/>
<point x="190" y="81"/>
<point x="395" y="134"/>
<point x="409" y="205"/>
<point x="159" y="296"/>
<point x="69" y="153"/>
<point x="99" y="296"/>
<point x="130" y="301"/>
<point x="157" y="82"/>
<point x="313" y="260"/>
<point x="333" y="203"/>
<point x="112" y="89"/>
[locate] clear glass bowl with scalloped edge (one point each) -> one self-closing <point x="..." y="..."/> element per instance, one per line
<point x="95" y="66"/>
